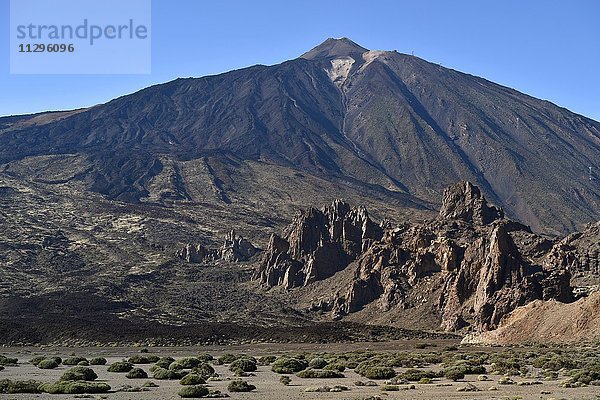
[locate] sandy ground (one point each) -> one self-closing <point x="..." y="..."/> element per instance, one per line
<point x="267" y="382"/>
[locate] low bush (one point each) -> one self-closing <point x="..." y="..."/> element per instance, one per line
<point x="74" y="387"/>
<point x="98" y="361"/>
<point x="319" y="373"/>
<point x="454" y="374"/>
<point x="162" y="373"/>
<point x="243" y="364"/>
<point x="285" y="365"/>
<point x="36" y="360"/>
<point x="228" y="358"/>
<point x="192" y="379"/>
<point x="190" y="392"/>
<point x="266" y="360"/>
<point x="47" y="364"/>
<point x="335" y="367"/>
<point x="8" y="360"/>
<point x="205" y="357"/>
<point x="317" y="363"/>
<point x="137" y="373"/>
<point x="185" y="363"/>
<point x="239" y="385"/>
<point x="370" y="371"/>
<point x="13" y="387"/>
<point x="285" y="380"/>
<point x="120" y="366"/>
<point x="205" y="370"/>
<point x="79" y="374"/>
<point x="164" y="362"/>
<point x="143" y="359"/>
<point x="73" y="360"/>
<point x="418" y="374"/>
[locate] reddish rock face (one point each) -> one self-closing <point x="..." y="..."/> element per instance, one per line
<point x="466" y="263"/>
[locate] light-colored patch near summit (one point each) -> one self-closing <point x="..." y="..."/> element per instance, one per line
<point x="340" y="69"/>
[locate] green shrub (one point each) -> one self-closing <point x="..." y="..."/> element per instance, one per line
<point x="185" y="363"/>
<point x="164" y="362"/>
<point x="162" y="373"/>
<point x="239" y="385"/>
<point x="47" y="364"/>
<point x="285" y="365"/>
<point x="317" y="363"/>
<point x="137" y="373"/>
<point x="319" y="373"/>
<point x="454" y="374"/>
<point x="205" y="357"/>
<point x="374" y="372"/>
<point x="228" y="358"/>
<point x="335" y="367"/>
<point x="193" y="392"/>
<point x="98" y="361"/>
<point x="192" y="379"/>
<point x="36" y="360"/>
<point x="266" y="360"/>
<point x="74" y="387"/>
<point x="13" y="387"/>
<point x="425" y="381"/>
<point x="8" y="361"/>
<point x="120" y="366"/>
<point x="243" y="364"/>
<point x="205" y="370"/>
<point x="140" y="359"/>
<point x="285" y="380"/>
<point x="79" y="374"/>
<point x="84" y="363"/>
<point x="418" y="374"/>
<point x="73" y="360"/>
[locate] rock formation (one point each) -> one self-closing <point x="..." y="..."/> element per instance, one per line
<point x="317" y="244"/>
<point x="472" y="265"/>
<point x="235" y="248"/>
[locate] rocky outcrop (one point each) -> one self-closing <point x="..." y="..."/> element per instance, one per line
<point x="317" y="244"/>
<point x="579" y="253"/>
<point x="234" y="249"/>
<point x="464" y="201"/>
<point x="470" y="265"/>
<point x="546" y="321"/>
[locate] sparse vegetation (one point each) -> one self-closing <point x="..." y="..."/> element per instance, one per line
<point x="370" y="371"/>
<point x="74" y="387"/>
<point x="8" y="360"/>
<point x="98" y="361"/>
<point x="143" y="359"/>
<point x="185" y="363"/>
<point x="73" y="360"/>
<point x="47" y="364"/>
<point x="239" y="385"/>
<point x="285" y="365"/>
<point x="162" y="373"/>
<point x="243" y="364"/>
<point x="13" y="387"/>
<point x="79" y="374"/>
<point x="192" y="379"/>
<point x="285" y="380"/>
<point x="319" y="373"/>
<point x="137" y="373"/>
<point x="120" y="366"/>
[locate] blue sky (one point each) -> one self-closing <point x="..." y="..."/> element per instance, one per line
<point x="548" y="49"/>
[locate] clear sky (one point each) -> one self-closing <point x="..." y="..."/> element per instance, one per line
<point x="546" y="48"/>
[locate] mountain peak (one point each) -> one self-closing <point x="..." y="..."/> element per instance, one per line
<point x="333" y="48"/>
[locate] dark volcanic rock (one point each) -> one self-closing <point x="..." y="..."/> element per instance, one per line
<point x="234" y="249"/>
<point x="465" y="202"/>
<point x="317" y="244"/>
<point x="377" y="120"/>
